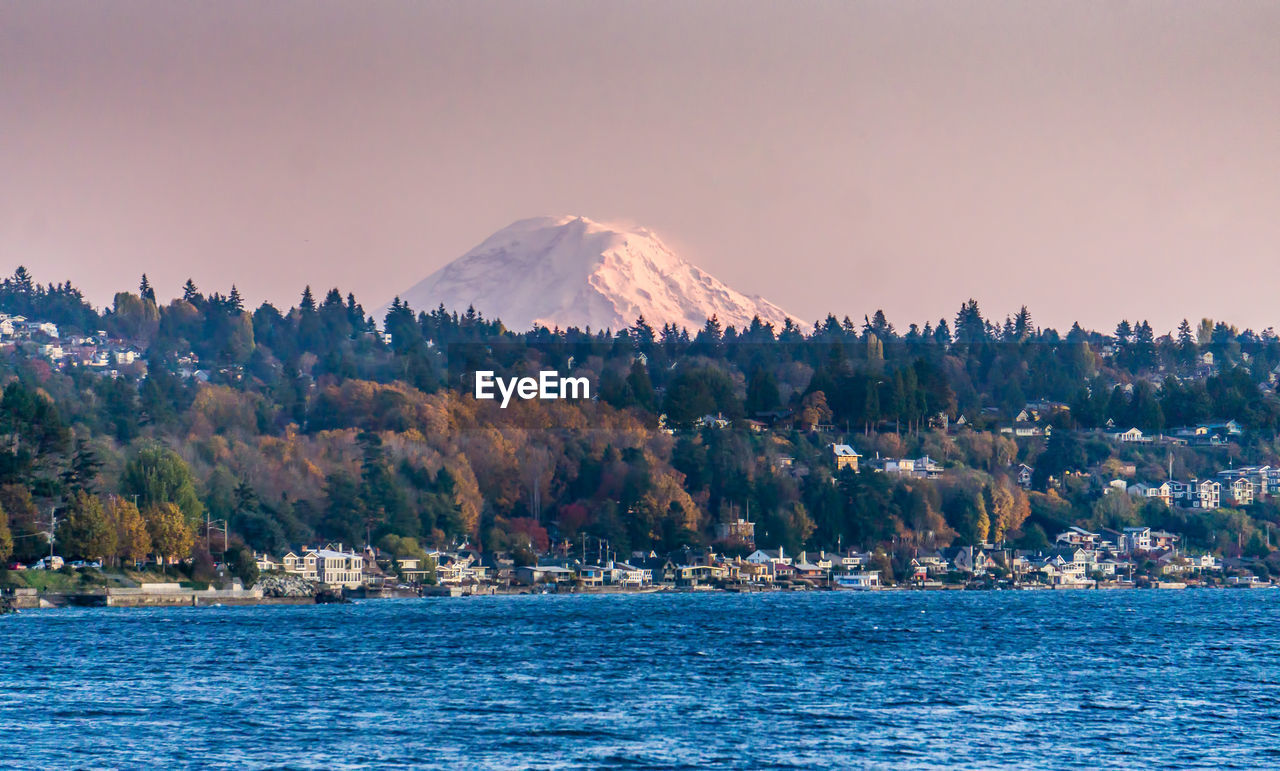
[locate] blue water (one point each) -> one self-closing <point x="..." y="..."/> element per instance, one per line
<point x="1030" y="679"/>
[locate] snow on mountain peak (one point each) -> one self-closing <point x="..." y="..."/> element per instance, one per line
<point x="570" y="271"/>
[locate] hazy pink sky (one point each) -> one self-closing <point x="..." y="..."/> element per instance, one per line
<point x="1094" y="160"/>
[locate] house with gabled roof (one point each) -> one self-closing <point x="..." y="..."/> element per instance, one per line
<point x="845" y="457"/>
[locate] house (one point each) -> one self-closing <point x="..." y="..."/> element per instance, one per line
<point x="1211" y="434"/>
<point x="1136" y="539"/>
<point x="1078" y="537"/>
<point x="1115" y="485"/>
<point x="753" y="572"/>
<point x="713" y="421"/>
<point x="933" y="563"/>
<point x="590" y="575"/>
<point x="661" y="569"/>
<point x="1238" y="491"/>
<point x="822" y="560"/>
<point x="847" y="562"/>
<point x="845" y="457"/>
<point x="1112" y="567"/>
<point x="1261" y="477"/>
<point x="809" y="570"/>
<point x="413" y="569"/>
<point x="1162" y="492"/>
<point x="304" y="565"/>
<point x="266" y="563"/>
<point x="928" y="468"/>
<point x="918" y="468"/>
<point x="627" y="575"/>
<point x="768" y="556"/>
<point x="699" y="575"/>
<point x="1110" y="540"/>
<point x="1024" y="430"/>
<point x="969" y="559"/>
<point x="543" y="574"/>
<point x="1024" y="476"/>
<point x="1132" y="436"/>
<point x="864" y="581"/>
<point x="1206" y="495"/>
<point x="336" y="567"/>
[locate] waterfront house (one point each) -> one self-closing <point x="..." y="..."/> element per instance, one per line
<point x="809" y="570"/>
<point x="933" y="562"/>
<point x="782" y="571"/>
<point x="337" y="567"/>
<point x="627" y="575"/>
<point x="590" y="575"/>
<point x="266" y="563"/>
<point x="969" y="559"/>
<point x="767" y="556"/>
<point x="413" y="569"/>
<point x="302" y="565"/>
<point x="754" y="572"/>
<point x="698" y="575"/>
<point x="543" y="574"/>
<point x="861" y="581"/>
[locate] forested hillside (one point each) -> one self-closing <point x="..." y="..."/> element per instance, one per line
<point x="308" y="423"/>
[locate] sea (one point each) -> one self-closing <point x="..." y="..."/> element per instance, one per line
<point x="1083" y="679"/>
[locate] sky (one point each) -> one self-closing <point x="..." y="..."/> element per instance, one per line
<point x="1091" y="160"/>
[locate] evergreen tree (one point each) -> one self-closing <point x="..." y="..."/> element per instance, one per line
<point x="1022" y="324"/>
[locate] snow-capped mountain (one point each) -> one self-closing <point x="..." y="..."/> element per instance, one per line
<point x="573" y="272"/>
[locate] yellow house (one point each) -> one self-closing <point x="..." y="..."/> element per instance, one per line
<point x="846" y="457"/>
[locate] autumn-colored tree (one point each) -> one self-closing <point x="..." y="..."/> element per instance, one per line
<point x="133" y="542"/>
<point x="6" y="537"/>
<point x="666" y="499"/>
<point x="814" y="410"/>
<point x="1008" y="507"/>
<point x="86" y="532"/>
<point x="171" y="535"/>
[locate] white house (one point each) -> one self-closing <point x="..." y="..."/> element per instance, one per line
<point x="1132" y="436"/>
<point x="864" y="581"/>
<point x="339" y="568"/>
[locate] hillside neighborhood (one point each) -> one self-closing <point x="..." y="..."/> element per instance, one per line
<point x="196" y="439"/>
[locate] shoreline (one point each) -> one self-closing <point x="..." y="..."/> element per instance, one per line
<point x="22" y="600"/>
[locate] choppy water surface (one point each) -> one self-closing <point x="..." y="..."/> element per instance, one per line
<point x="1049" y="679"/>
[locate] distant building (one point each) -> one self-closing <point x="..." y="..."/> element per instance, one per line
<point x="339" y="568"/>
<point x="845" y="456"/>
<point x="1025" y="474"/>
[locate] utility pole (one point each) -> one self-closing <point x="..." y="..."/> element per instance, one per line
<point x="53" y="526"/>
